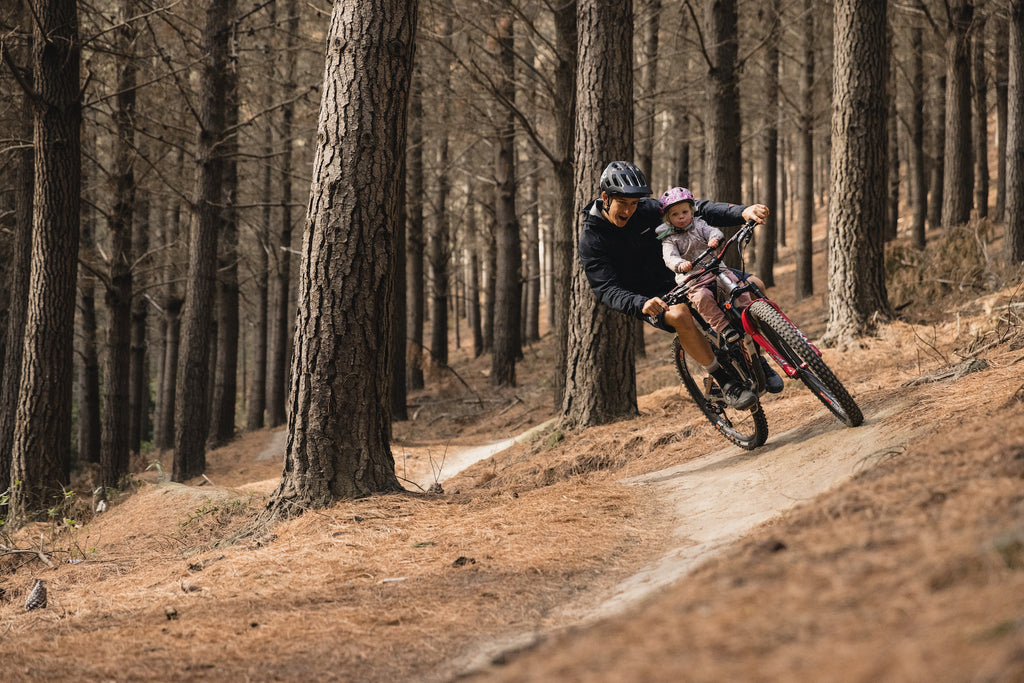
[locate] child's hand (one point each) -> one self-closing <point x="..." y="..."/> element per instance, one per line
<point x="713" y="242"/>
<point x="684" y="267"/>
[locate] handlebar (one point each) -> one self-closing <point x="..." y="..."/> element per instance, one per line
<point x="741" y="239"/>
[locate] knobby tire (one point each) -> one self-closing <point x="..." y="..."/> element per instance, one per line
<point x="748" y="428"/>
<point x="812" y="370"/>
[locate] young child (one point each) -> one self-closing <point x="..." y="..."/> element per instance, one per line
<point x="683" y="238"/>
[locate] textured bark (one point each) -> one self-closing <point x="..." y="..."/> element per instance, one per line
<point x="1014" y="241"/>
<point x="804" y="279"/>
<point x="600" y="385"/>
<point x="399" y="394"/>
<point x="530" y="329"/>
<point x="172" y="302"/>
<point x="859" y="172"/>
<point x="563" y="226"/>
<point x="256" y="392"/>
<point x="277" y="389"/>
<point x="17" y="289"/>
<point x="649" y="16"/>
<point x="415" y="284"/>
<point x="723" y="163"/>
<point x="439" y="244"/>
<point x="192" y="402"/>
<point x="225" y="388"/>
<point x="42" y="431"/>
<point x="766" y="238"/>
<point x="509" y="274"/>
<point x="918" y="182"/>
<point x="114" y="446"/>
<point x="958" y="176"/>
<point x="339" y="424"/>
<point x="138" y="387"/>
<point x="938" y="150"/>
<point x="999" y="67"/>
<point x="980" y="119"/>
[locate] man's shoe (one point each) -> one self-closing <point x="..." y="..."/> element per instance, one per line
<point x="738" y="397"/>
<point x="772" y="380"/>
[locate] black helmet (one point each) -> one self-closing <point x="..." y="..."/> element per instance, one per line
<point x="624" y="179"/>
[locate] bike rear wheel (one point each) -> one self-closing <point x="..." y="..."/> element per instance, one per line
<point x="811" y="368"/>
<point x="747" y="429"/>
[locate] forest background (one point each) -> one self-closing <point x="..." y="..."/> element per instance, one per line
<point x="196" y="127"/>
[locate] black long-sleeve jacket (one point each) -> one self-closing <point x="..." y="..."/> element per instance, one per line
<point x="624" y="265"/>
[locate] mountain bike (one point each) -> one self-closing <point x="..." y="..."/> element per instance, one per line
<point x="764" y="328"/>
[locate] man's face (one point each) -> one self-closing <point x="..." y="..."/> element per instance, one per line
<point x="618" y="210"/>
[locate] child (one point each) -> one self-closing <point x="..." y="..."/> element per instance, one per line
<point x="683" y="238"/>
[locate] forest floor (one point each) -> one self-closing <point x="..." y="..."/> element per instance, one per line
<point x="648" y="549"/>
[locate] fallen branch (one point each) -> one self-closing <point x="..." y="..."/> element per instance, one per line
<point x="22" y="551"/>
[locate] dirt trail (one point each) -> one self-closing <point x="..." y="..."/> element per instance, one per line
<point x="721" y="496"/>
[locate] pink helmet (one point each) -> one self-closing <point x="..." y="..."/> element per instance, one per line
<point x="673" y="197"/>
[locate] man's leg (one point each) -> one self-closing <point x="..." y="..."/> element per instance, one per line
<point x="698" y="348"/>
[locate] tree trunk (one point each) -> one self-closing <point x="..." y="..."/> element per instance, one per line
<point x="980" y="120"/>
<point x="938" y="148"/>
<point x="192" y="403"/>
<point x="918" y="183"/>
<point x="805" y="165"/>
<point x="600" y="385"/>
<point x="415" y="285"/>
<point x="399" y="395"/>
<point x="649" y="16"/>
<point x="42" y="431"/>
<point x="509" y="256"/>
<point x="1000" y="61"/>
<point x="564" y="221"/>
<point x="115" y="415"/>
<point x="277" y="390"/>
<point x="18" y="291"/>
<point x="439" y="251"/>
<point x="958" y="178"/>
<point x="225" y="388"/>
<point x="339" y="425"/>
<point x="1014" y="241"/>
<point x="138" y="392"/>
<point x="172" y="302"/>
<point x="859" y="172"/>
<point x="723" y="167"/>
<point x="766" y="239"/>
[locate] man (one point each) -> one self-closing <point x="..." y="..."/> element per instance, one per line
<point x="622" y="259"/>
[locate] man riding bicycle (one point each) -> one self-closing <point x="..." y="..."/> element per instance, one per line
<point x="622" y="258"/>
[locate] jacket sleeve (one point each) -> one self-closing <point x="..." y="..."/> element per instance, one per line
<point x="720" y="214"/>
<point x="670" y="252"/>
<point x="605" y="281"/>
<point x="707" y="233"/>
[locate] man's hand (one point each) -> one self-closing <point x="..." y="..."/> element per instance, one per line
<point x="654" y="307"/>
<point x="755" y="212"/>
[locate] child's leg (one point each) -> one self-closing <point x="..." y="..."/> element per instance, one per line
<point x="703" y="300"/>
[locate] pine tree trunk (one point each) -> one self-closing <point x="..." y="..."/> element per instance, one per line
<point x="918" y="183"/>
<point x="980" y="120"/>
<point x="415" y="284"/>
<point x="192" y="402"/>
<point x="1014" y="241"/>
<point x="339" y="424"/>
<point x="281" y="317"/>
<point x="938" y="151"/>
<point x="18" y="291"/>
<point x="859" y="171"/>
<point x="766" y="238"/>
<point x="600" y="385"/>
<point x="564" y="223"/>
<point x="509" y="257"/>
<point x="805" y="165"/>
<point x="1000" y="61"/>
<point x="40" y="456"/>
<point x="138" y="392"/>
<point x="958" y="176"/>
<point x="723" y="167"/>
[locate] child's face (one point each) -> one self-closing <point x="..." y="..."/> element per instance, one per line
<point x="680" y="215"/>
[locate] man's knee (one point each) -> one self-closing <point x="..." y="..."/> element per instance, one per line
<point x="678" y="314"/>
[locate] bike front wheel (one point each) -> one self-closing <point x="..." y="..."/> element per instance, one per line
<point x="747" y="428"/>
<point x="811" y="368"/>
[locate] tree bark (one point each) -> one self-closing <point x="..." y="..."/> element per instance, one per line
<point x="958" y="176"/>
<point x="805" y="164"/>
<point x="1014" y="240"/>
<point x="415" y="285"/>
<point x="509" y="256"/>
<point x="42" y="431"/>
<point x="859" y="172"/>
<point x="723" y="167"/>
<point x="1000" y="61"/>
<point x="192" y="402"/>
<point x="766" y="239"/>
<point x="339" y="425"/>
<point x="918" y="183"/>
<point x="600" y="384"/>
<point x="938" y="150"/>
<point x="980" y="120"/>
